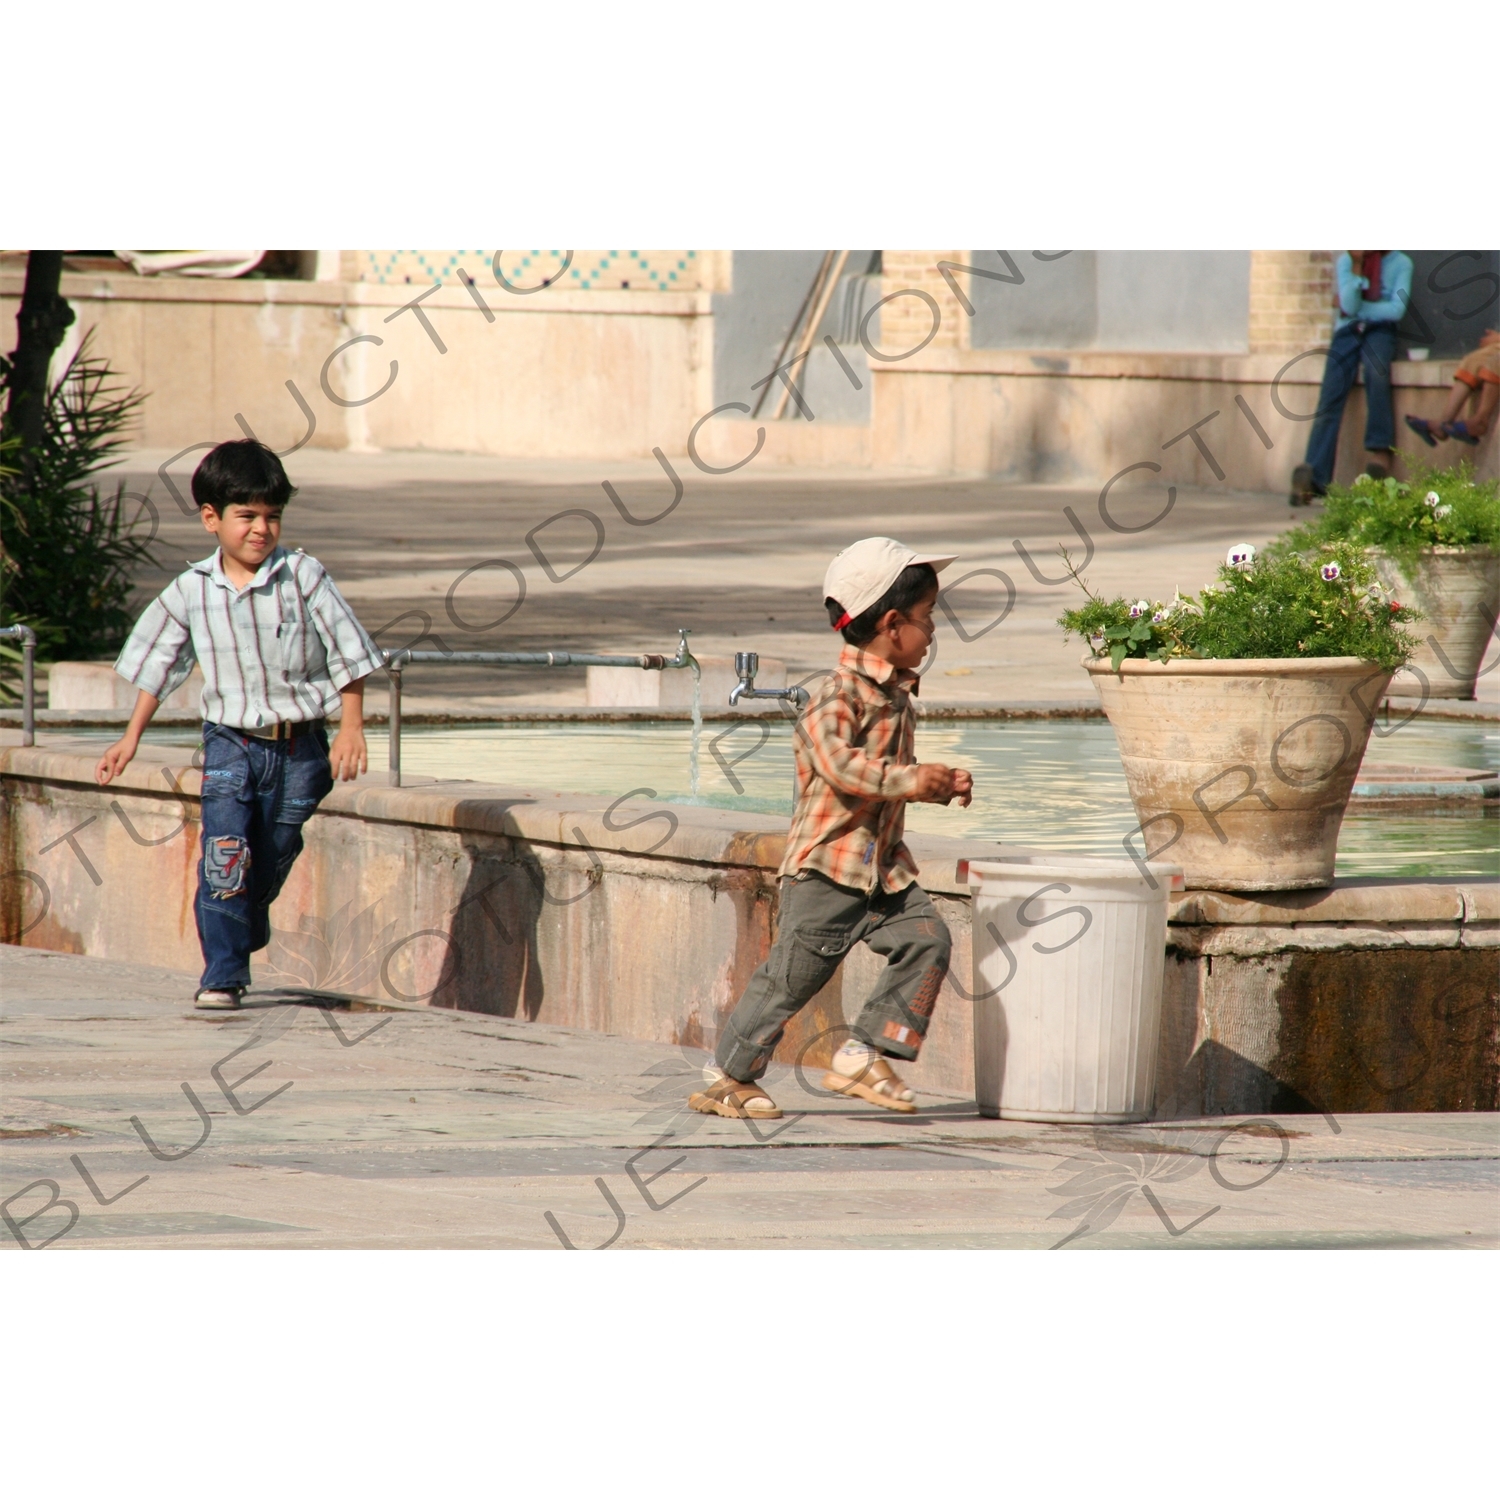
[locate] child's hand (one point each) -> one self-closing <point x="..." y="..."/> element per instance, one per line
<point x="347" y="757"/>
<point x="115" y="759"/>
<point x="937" y="783"/>
<point x="934" y="783"/>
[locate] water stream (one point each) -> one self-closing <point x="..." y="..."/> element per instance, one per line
<point x="695" y="745"/>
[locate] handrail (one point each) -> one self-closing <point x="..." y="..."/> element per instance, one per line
<point x="27" y="637"/>
<point x="397" y="661"/>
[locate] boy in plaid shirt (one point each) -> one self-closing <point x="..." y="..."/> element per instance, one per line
<point x="847" y="876"/>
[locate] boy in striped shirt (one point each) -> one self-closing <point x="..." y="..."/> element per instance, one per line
<point x="280" y="649"/>
<point x="847" y="876"/>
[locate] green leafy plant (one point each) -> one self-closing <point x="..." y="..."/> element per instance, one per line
<point x="67" y="552"/>
<point x="1283" y="605"/>
<point x="1436" y="508"/>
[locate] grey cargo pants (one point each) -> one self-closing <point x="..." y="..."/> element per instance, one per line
<point x="819" y="923"/>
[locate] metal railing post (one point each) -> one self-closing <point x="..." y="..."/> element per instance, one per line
<point x="394" y="717"/>
<point x="27" y="636"/>
<point x="28" y="689"/>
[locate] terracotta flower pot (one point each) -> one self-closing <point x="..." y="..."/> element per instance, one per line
<point x="1240" y="770"/>
<point x="1458" y="589"/>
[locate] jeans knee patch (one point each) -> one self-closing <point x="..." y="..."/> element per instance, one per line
<point x="226" y="866"/>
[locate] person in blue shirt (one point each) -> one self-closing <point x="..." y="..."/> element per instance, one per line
<point x="1374" y="288"/>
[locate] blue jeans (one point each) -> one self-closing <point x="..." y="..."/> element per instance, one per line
<point x="1373" y="347"/>
<point x="256" y="796"/>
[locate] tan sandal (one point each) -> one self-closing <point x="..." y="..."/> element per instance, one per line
<point x="735" y="1101"/>
<point x="877" y="1081"/>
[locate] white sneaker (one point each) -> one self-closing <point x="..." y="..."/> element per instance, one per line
<point x="217" y="1000"/>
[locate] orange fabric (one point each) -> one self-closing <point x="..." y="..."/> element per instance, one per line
<point x="1479" y="366"/>
<point x="856" y="771"/>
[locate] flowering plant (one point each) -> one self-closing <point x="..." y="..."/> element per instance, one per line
<point x="1276" y="605"/>
<point x="1438" y="508"/>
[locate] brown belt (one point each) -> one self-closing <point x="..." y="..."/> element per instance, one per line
<point x="283" y="730"/>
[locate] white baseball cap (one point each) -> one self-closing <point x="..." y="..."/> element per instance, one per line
<point x="860" y="574"/>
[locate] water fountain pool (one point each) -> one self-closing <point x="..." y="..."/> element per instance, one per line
<point x="1053" y="782"/>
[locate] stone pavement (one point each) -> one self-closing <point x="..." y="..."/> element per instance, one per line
<point x="411" y="1127"/>
<point x="740" y="561"/>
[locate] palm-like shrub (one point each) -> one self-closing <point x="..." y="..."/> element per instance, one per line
<point x="67" y="550"/>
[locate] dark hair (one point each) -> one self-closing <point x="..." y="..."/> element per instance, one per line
<point x="911" y="587"/>
<point x="237" y="473"/>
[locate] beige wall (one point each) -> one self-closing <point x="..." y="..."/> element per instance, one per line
<point x="1081" y="417"/>
<point x="604" y="374"/>
<point x="596" y="374"/>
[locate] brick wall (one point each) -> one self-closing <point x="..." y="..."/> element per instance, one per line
<point x="905" y="322"/>
<point x="1291" y="300"/>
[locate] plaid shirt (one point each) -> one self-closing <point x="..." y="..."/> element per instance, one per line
<point x="856" y="771"/>
<point x="277" y="650"/>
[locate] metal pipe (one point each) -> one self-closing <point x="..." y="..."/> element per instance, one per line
<point x="810" y="332"/>
<point x="647" y="662"/>
<point x="27" y="637"/>
<point x="397" y="661"/>
<point x="394" y="718"/>
<point x="746" y="665"/>
<point x="791" y="332"/>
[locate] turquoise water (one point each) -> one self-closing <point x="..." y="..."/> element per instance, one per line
<point x="1053" y="782"/>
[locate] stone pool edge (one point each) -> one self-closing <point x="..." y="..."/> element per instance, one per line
<point x="1372" y="995"/>
<point x="375" y="715"/>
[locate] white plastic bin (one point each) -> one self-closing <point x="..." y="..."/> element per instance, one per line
<point x="1069" y="954"/>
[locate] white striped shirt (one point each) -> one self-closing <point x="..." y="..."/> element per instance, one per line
<point x="277" y="650"/>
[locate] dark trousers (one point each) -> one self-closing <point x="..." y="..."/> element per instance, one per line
<point x="256" y="796"/>
<point x="819" y="923"/>
<point x="1373" y="346"/>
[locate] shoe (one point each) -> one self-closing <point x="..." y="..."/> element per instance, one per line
<point x="1424" y="430"/>
<point x="218" y="999"/>
<point x="1304" y="486"/>
<point x="860" y="1072"/>
<point x="735" y="1101"/>
<point x="1377" y="471"/>
<point x="1460" y="430"/>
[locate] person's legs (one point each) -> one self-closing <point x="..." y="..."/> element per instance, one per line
<point x="233" y="836"/>
<point x="1435" y="430"/>
<point x="304" y="780"/>
<point x="1338" y="381"/>
<point x="1479" y="377"/>
<point x="1489" y="399"/>
<point x="819" y="922"/>
<point x="1462" y="394"/>
<point x="916" y="943"/>
<point x="1376" y="353"/>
